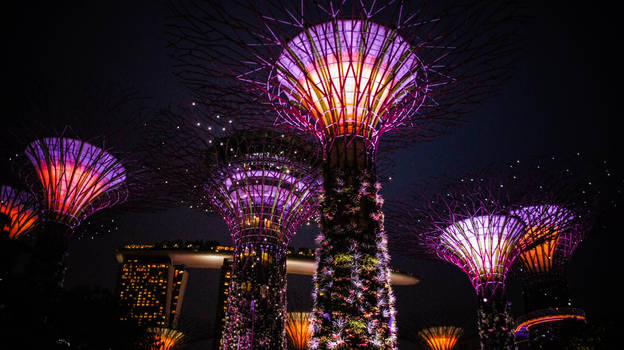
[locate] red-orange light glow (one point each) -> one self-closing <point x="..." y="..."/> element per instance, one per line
<point x="21" y="221"/>
<point x="526" y="325"/>
<point x="19" y="207"/>
<point x="74" y="176"/>
<point x="441" y="338"/>
<point x="298" y="329"/>
<point x="69" y="187"/>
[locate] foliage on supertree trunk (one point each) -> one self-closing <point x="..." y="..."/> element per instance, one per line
<point x="257" y="297"/>
<point x="495" y="323"/>
<point x="354" y="304"/>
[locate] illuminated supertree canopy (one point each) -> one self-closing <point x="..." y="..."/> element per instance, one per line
<point x="164" y="338"/>
<point x="528" y="213"/>
<point x="352" y="69"/>
<point x="261" y="185"/>
<point x="466" y="222"/>
<point x="563" y="237"/>
<point x="562" y="198"/>
<point x="264" y="185"/>
<point x="71" y="180"/>
<point x="298" y="329"/>
<point x="20" y="208"/>
<point x="265" y="188"/>
<point x="483" y="246"/>
<point x="441" y="338"/>
<point x="76" y="178"/>
<point x="346" y="73"/>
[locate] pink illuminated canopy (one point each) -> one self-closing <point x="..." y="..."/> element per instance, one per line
<point x="74" y="176"/>
<point x="347" y="75"/>
<point x="483" y="246"/>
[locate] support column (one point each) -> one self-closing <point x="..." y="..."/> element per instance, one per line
<point x="256" y="312"/>
<point x="353" y="301"/>
<point x="494" y="321"/>
<point x="47" y="264"/>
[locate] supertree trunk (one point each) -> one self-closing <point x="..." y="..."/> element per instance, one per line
<point x="256" y="303"/>
<point x="47" y="265"/>
<point x="494" y="322"/>
<point x="353" y="298"/>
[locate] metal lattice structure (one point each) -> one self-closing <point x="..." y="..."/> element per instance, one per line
<point x="76" y="179"/>
<point x="532" y="214"/>
<point x="71" y="180"/>
<point x="261" y="184"/>
<point x="564" y="237"/>
<point x="483" y="246"/>
<point x="562" y="199"/>
<point x="467" y="223"/>
<point x="21" y="209"/>
<point x="441" y="338"/>
<point x="345" y="69"/>
<point x="264" y="185"/>
<point x="346" y="73"/>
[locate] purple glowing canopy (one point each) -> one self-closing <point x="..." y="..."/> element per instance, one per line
<point x="347" y="75"/>
<point x="547" y="216"/>
<point x="483" y="246"/>
<point x="262" y="184"/>
<point x="76" y="178"/>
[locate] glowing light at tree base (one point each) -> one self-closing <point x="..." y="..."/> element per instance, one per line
<point x="298" y="330"/>
<point x="164" y="338"/>
<point x="441" y="338"/>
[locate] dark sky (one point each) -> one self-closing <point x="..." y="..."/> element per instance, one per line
<point x="561" y="99"/>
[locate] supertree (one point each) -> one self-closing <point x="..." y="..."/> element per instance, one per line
<point x="485" y="220"/>
<point x="20" y="209"/>
<point x="346" y="73"/>
<point x="441" y="338"/>
<point x="160" y="338"/>
<point x="75" y="154"/>
<point x="466" y="223"/>
<point x="72" y="180"/>
<point x="264" y="185"/>
<point x="562" y="197"/>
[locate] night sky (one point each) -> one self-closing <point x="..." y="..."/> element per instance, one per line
<point x="561" y="99"/>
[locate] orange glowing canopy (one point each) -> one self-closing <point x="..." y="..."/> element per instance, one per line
<point x="298" y="329"/>
<point x="540" y="258"/>
<point x="441" y="338"/>
<point x="347" y="75"/>
<point x="20" y="208"/>
<point x="75" y="176"/>
<point x="545" y="225"/>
